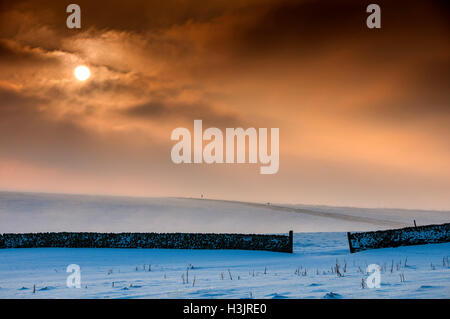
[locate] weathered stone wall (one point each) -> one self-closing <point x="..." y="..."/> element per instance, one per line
<point x="279" y="243"/>
<point x="431" y="234"/>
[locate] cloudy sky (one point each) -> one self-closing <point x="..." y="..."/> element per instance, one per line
<point x="364" y="115"/>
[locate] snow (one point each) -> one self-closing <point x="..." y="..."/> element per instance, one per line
<point x="319" y="242"/>
<point x="30" y="212"/>
<point x="255" y="274"/>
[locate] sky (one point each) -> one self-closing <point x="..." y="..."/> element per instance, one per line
<point x="363" y="114"/>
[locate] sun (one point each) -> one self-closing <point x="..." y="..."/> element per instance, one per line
<point x="82" y="73"/>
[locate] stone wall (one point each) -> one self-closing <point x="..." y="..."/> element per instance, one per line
<point x="431" y="234"/>
<point x="278" y="243"/>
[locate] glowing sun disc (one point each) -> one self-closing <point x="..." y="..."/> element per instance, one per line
<point x="82" y="73"/>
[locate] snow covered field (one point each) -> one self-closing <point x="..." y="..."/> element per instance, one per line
<point x="407" y="272"/>
<point x="305" y="274"/>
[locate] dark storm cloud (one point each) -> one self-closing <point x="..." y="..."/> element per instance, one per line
<point x="135" y="88"/>
<point x="167" y="111"/>
<point x="134" y="15"/>
<point x="14" y="53"/>
<point x="433" y="81"/>
<point x="300" y="25"/>
<point x="32" y="135"/>
<point x="413" y="40"/>
<point x="12" y="102"/>
<point x="420" y="97"/>
<point x="25" y="127"/>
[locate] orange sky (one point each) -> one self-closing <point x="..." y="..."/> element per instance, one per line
<point x="364" y="115"/>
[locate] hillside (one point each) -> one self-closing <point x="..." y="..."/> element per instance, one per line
<point x="33" y="212"/>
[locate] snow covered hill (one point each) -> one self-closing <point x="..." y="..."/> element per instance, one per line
<point x="32" y="212"/>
